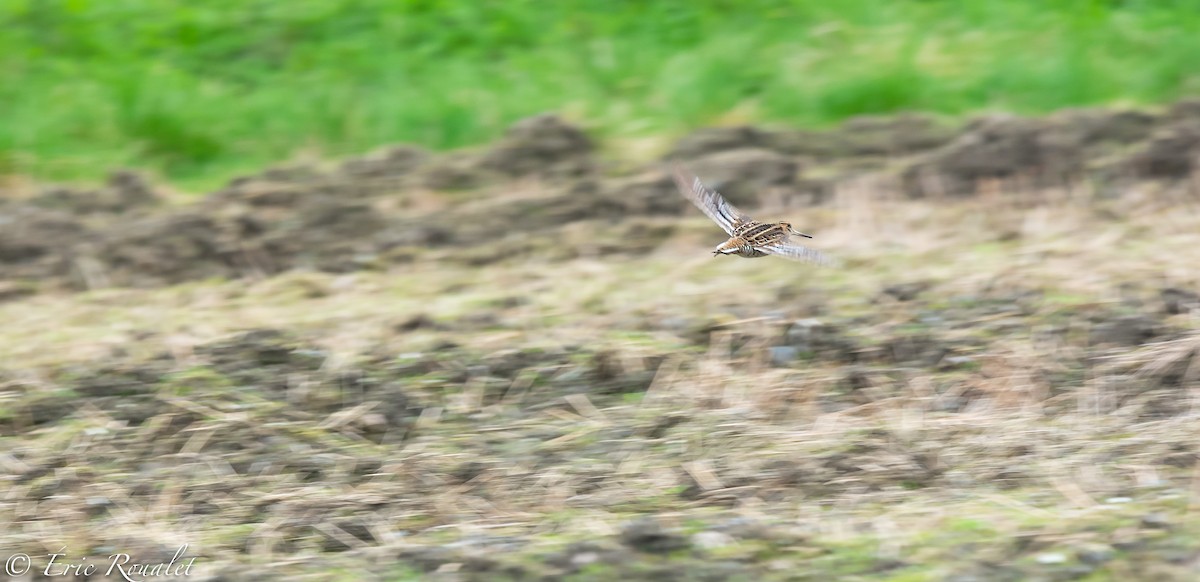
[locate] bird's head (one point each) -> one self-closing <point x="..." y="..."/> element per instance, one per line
<point x="792" y="230"/>
<point x="725" y="248"/>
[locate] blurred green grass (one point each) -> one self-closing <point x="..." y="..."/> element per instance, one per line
<point x="200" y="90"/>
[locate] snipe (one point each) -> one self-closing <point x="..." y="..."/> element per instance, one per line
<point x="747" y="237"/>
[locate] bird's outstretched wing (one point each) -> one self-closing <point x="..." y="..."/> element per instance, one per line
<point x="726" y="215"/>
<point x="788" y="249"/>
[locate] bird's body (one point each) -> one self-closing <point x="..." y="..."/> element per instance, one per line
<point x="748" y="238"/>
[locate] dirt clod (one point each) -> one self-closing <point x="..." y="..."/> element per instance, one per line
<point x="647" y="535"/>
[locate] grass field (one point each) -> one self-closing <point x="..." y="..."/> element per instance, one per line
<point x="198" y="91"/>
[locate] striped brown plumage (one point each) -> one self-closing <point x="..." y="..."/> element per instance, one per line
<point x="747" y="237"/>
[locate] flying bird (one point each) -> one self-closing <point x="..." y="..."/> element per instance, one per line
<point x="748" y="238"/>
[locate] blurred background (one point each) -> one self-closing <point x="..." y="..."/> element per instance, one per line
<point x="403" y="290"/>
<point x="199" y="91"/>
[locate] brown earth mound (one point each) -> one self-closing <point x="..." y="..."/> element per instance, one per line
<point x="364" y="213"/>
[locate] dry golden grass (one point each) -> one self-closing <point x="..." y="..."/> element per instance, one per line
<point x="1039" y="456"/>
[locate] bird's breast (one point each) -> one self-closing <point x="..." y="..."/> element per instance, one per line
<point x="731" y="245"/>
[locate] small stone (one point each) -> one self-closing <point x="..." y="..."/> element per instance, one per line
<point x="931" y="319"/>
<point x="258" y="467"/>
<point x="804" y="331"/>
<point x="783" y="356"/>
<point x="1054" y="558"/>
<point x="571" y="375"/>
<point x="1094" y="555"/>
<point x="711" y="540"/>
<point x="676" y="324"/>
<point x="373" y="422"/>
<point x="1077" y="571"/>
<point x="98" y="501"/>
<point x="951" y="362"/>
<point x="1116" y="500"/>
<point x="1155" y="521"/>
